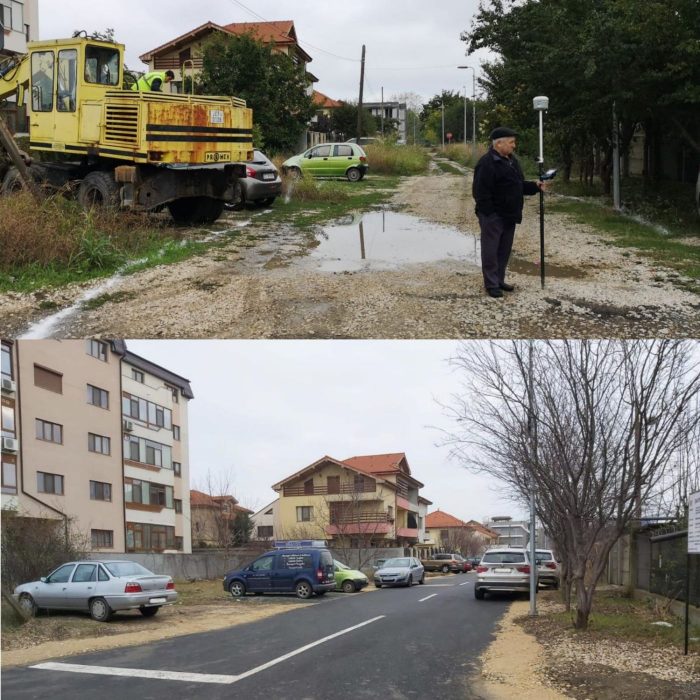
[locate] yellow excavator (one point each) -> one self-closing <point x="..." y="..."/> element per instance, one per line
<point x="120" y="147"/>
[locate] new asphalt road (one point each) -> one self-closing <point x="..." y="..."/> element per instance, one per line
<point x="394" y="643"/>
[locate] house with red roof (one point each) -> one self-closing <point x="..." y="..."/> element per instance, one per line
<point x="445" y="531"/>
<point x="211" y="518"/>
<point x="363" y="501"/>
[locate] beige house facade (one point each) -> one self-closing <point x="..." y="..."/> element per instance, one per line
<point x="96" y="435"/>
<point x="358" y="502"/>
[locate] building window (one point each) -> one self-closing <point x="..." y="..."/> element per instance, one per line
<point x="177" y="468"/>
<point x="138" y="376"/>
<point x="97" y="397"/>
<point x="176" y="432"/>
<point x="11" y="15"/>
<point x="8" y="418"/>
<point x="444" y="535"/>
<point x="264" y="532"/>
<point x="102" y="539"/>
<point x="49" y="483"/>
<point x="146" y="411"/>
<point x="304" y="514"/>
<point x="97" y="349"/>
<point x="145" y="451"/>
<point x="100" y="491"/>
<point x="147" y="493"/>
<point x="99" y="443"/>
<point x="49" y="432"/>
<point x="178" y="505"/>
<point x="6" y="366"/>
<point x="9" y="475"/>
<point x="142" y="537"/>
<point x="48" y="379"/>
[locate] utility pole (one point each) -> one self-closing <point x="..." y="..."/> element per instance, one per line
<point x="532" y="435"/>
<point x="465" y="115"/>
<point x="473" y="70"/>
<point x="359" y="104"/>
<point x="382" y="112"/>
<point x="443" y="122"/>
<point x="616" y="159"/>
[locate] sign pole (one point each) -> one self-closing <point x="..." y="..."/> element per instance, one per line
<point x="693" y="548"/>
<point x="541" y="104"/>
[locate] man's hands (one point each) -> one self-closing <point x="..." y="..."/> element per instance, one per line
<point x="542" y="185"/>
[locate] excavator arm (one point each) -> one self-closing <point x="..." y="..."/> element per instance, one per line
<point x="14" y="77"/>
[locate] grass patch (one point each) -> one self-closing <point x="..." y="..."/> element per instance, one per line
<point x="616" y="616"/>
<point x="448" y="168"/>
<point x="668" y="250"/>
<point x="464" y="154"/>
<point x="390" y="159"/>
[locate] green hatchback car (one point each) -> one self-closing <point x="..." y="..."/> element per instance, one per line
<point x="348" y="580"/>
<point x="329" y="160"/>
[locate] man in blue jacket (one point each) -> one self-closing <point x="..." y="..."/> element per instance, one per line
<point x="499" y="188"/>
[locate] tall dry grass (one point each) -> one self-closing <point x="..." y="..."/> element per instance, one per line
<point x="389" y="159"/>
<point x="58" y="232"/>
<point x="465" y="154"/>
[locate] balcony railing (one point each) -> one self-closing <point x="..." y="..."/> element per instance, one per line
<point x="326" y="491"/>
<point x="353" y="518"/>
<point x="174" y="63"/>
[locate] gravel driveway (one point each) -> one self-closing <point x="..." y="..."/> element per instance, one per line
<point x="261" y="286"/>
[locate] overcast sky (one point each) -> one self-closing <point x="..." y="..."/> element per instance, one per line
<point x="265" y="409"/>
<point x="412" y="46"/>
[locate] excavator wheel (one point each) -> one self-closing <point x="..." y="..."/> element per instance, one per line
<point x="98" y="189"/>
<point x="196" y="210"/>
<point x="12" y="182"/>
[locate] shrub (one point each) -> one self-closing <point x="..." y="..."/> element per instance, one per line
<point x="308" y="189"/>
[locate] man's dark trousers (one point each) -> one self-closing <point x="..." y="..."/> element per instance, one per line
<point x="496" y="243"/>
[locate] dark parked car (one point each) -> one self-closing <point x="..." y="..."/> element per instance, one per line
<point x="303" y="571"/>
<point x="98" y="587"/>
<point x="262" y="184"/>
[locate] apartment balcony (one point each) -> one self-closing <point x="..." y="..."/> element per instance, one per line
<point x="359" y="523"/>
<point x="347" y="488"/>
<point x="406" y="504"/>
<point x="407" y="532"/>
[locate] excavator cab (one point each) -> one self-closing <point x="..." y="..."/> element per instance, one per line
<point x="65" y="78"/>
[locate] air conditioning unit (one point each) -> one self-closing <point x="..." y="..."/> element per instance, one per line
<point x="128" y="425"/>
<point x="10" y="444"/>
<point x="8" y="385"/>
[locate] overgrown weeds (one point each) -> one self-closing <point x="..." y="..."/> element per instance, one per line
<point x="307" y="189"/>
<point x="57" y="234"/>
<point x="389" y="159"/>
<point x="464" y="154"/>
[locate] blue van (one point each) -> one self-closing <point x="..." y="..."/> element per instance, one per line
<point x="303" y="571"/>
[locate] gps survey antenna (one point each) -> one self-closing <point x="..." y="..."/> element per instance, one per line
<point x="541" y="104"/>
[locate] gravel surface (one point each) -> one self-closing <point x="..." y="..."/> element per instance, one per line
<point x="262" y="284"/>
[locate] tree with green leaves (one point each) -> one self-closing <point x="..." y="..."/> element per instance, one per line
<point x="274" y="87"/>
<point x="344" y="121"/>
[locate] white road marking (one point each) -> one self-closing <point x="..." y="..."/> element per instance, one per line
<point x="193" y="677"/>
<point x="465" y="583"/>
<point x="427" y="597"/>
<point x="440" y="585"/>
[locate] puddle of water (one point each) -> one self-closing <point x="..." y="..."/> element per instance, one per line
<point x="386" y="240"/>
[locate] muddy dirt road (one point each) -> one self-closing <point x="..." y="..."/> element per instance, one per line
<point x="410" y="271"/>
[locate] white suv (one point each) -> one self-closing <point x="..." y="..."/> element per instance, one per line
<point x="505" y="569"/>
<point x="548" y="571"/>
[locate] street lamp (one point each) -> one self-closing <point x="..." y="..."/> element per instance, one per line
<point x="473" y="109"/>
<point x="541" y="104"/>
<point x="465" y="115"/>
<point x="443" y="122"/>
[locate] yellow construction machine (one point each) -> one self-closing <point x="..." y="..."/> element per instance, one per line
<point x="142" y="150"/>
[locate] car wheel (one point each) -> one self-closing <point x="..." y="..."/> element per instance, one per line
<point x="445" y="569"/>
<point x="377" y="585"/>
<point x="303" y="590"/>
<point x="410" y="582"/>
<point x="237" y="589"/>
<point x="100" y="610"/>
<point x="555" y="586"/>
<point x="422" y="580"/>
<point x="353" y="174"/>
<point x="150" y="611"/>
<point x="26" y="602"/>
<point x="295" y="173"/>
<point x="479" y="593"/>
<point x="348" y="587"/>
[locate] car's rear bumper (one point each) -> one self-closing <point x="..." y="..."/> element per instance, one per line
<point x="138" y="600"/>
<point x="323" y="587"/>
<point x="261" y="189"/>
<point x="505" y="586"/>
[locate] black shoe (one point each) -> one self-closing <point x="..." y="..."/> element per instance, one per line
<point x="495" y="293"/>
<point x="507" y="287"/>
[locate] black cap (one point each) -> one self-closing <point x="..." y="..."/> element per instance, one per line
<point x="502" y="132"/>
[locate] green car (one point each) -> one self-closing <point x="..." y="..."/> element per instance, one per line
<point x="329" y="160"/>
<point x="348" y="580"/>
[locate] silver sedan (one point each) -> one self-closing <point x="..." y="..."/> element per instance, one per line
<point x="98" y="587"/>
<point x="399" y="571"/>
